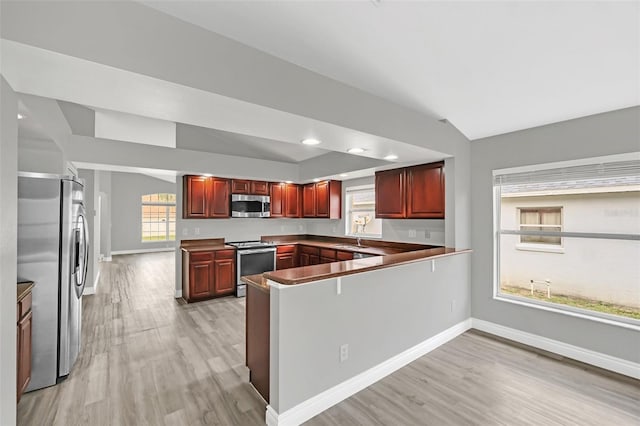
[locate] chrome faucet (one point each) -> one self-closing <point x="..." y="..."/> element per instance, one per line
<point x="358" y="240"/>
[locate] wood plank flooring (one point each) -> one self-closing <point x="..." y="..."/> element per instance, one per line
<point x="149" y="360"/>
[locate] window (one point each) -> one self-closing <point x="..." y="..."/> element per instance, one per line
<point x="158" y="217"/>
<point x="540" y="219"/>
<point x="361" y="212"/>
<point x="567" y="238"/>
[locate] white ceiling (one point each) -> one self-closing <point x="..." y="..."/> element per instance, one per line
<point x="487" y="67"/>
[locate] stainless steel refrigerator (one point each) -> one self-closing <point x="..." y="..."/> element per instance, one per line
<point x="53" y="252"/>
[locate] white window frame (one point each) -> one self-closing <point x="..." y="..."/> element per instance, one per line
<point x="601" y="317"/>
<point x="167" y="206"/>
<point x="347" y="213"/>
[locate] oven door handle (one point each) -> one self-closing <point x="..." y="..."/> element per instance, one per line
<point x="263" y="250"/>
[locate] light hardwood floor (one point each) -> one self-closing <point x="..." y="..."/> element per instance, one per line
<point x="150" y="360"/>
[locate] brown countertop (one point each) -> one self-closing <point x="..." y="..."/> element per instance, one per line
<point x="257" y="280"/>
<point x="348" y="267"/>
<point x="211" y="244"/>
<point x="24" y="288"/>
<point x="374" y="247"/>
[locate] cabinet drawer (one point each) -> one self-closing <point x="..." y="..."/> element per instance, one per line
<point x="328" y="253"/>
<point x="344" y="255"/>
<point x="225" y="254"/>
<point x="314" y="251"/>
<point x="201" y="256"/>
<point x="24" y="306"/>
<point x="286" y="249"/>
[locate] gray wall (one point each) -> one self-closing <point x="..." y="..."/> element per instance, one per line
<point x="126" y="228"/>
<point x="8" y="249"/>
<point x="90" y="204"/>
<point x="603" y="134"/>
<point x="104" y="192"/>
<point x="405" y="305"/>
<point x="40" y="156"/>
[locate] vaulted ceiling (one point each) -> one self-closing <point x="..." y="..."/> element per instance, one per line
<point x="489" y="67"/>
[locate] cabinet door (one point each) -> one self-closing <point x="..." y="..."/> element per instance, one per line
<point x="224" y="279"/>
<point x="322" y="199"/>
<point x="195" y="197"/>
<point x="314" y="259"/>
<point x="285" y="261"/>
<point x="304" y="259"/>
<point x="293" y="200"/>
<point x="344" y="255"/>
<point x="24" y="353"/>
<point x="201" y="278"/>
<point x="390" y="194"/>
<point x="219" y="201"/>
<point x="278" y="199"/>
<point x="425" y="191"/>
<point x="309" y="200"/>
<point x="240" y="186"/>
<point x="259" y="187"/>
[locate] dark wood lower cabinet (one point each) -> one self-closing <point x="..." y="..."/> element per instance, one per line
<point x="257" y="339"/>
<point x="208" y="274"/>
<point x="23" y="335"/>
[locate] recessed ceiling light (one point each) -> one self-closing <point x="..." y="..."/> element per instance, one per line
<point x="391" y="157"/>
<point x="344" y="174"/>
<point x="356" y="150"/>
<point x="316" y="180"/>
<point x="21" y="116"/>
<point x="310" y="141"/>
<point x="207" y="175"/>
<point x="288" y="181"/>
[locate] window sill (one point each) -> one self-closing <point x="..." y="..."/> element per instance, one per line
<point x="541" y="248"/>
<point x="368" y="236"/>
<point x="629" y="323"/>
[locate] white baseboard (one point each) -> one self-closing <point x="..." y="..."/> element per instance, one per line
<point x="106" y="259"/>
<point x="319" y="403"/>
<point x="137" y="251"/>
<point x="587" y="356"/>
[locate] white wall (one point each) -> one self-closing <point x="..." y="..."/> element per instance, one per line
<point x="405" y="306"/>
<point x="604" y="270"/>
<point x="8" y="250"/>
<point x="104" y="204"/>
<point x="91" y="182"/>
<point x="616" y="132"/>
<point x="126" y="227"/>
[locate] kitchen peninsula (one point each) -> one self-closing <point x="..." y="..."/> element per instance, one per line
<point x="332" y="278"/>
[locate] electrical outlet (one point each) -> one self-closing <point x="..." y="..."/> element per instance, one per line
<point x="412" y="233"/>
<point x="427" y="234"/>
<point x="196" y="231"/>
<point x="185" y="231"/>
<point x="344" y="352"/>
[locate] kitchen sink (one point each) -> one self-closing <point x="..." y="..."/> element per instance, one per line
<point x="349" y="246"/>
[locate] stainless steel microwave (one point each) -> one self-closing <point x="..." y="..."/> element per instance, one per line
<point x="250" y="205"/>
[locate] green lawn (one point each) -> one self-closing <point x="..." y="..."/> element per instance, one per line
<point x="577" y="302"/>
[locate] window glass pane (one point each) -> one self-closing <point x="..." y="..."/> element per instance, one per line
<point x="360" y="213"/>
<point x="158" y="216"/>
<point x="598" y="275"/>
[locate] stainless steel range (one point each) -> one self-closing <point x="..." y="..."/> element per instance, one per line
<point x="253" y="257"/>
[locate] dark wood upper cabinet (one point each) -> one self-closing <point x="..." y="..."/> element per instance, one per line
<point x="205" y="197"/>
<point x="253" y="187"/>
<point x="425" y="191"/>
<point x="309" y="200"/>
<point x="240" y="186"/>
<point x="390" y="194"/>
<point x="278" y="199"/>
<point x="195" y="197"/>
<point x="323" y="199"/>
<point x="414" y="193"/>
<point x="259" y="187"/>
<point x="219" y="200"/>
<point x="293" y="204"/>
